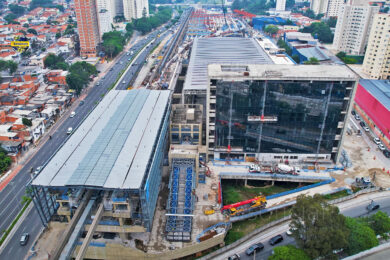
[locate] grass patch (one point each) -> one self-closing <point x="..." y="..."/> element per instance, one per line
<point x="359" y="59"/>
<point x="336" y="195"/>
<point x="8" y="230"/>
<point x="242" y="228"/>
<point x="234" y="193"/>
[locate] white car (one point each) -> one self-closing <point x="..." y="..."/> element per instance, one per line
<point x="38" y="170"/>
<point x="377" y="140"/>
<point x="366" y="129"/>
<point x="381" y="147"/>
<point x="70" y="130"/>
<point x="72" y="114"/>
<point x="357" y="117"/>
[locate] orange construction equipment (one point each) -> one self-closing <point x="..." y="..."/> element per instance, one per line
<point x="245" y="207"/>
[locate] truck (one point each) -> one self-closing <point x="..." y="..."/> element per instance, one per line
<point x="287" y="169"/>
<point x="245" y="207"/>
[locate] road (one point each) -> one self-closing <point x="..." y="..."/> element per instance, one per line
<point x="352" y="208"/>
<point x="10" y="196"/>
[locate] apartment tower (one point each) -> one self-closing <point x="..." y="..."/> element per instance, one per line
<point x="353" y="26"/>
<point x="328" y="7"/>
<point x="280" y="5"/>
<point x="377" y="58"/>
<point x="88" y="27"/>
<point x="134" y="9"/>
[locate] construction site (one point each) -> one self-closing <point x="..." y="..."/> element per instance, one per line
<point x="205" y="138"/>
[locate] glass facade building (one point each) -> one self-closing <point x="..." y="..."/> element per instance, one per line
<point x="280" y="116"/>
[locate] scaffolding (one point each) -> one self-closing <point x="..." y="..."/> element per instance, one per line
<point x="181" y="200"/>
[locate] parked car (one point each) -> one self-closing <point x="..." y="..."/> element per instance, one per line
<point x="72" y="114"/>
<point x="373" y="206"/>
<point x="81" y="102"/>
<point x="70" y="130"/>
<point x="366" y="129"/>
<point x="275" y="240"/>
<point x="381" y="147"/>
<point x="362" y="124"/>
<point x="377" y="140"/>
<point x="24" y="239"/>
<point x="234" y="257"/>
<point x="111" y="69"/>
<point x="256" y="247"/>
<point x="386" y="153"/>
<point x="357" y="117"/>
<point x="353" y="112"/>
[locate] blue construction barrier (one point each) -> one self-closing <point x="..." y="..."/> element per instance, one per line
<point x="300" y="189"/>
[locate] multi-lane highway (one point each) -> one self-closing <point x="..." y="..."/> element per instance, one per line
<point x="10" y="196"/>
<point x="352" y="208"/>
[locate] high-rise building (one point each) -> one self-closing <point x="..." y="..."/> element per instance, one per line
<point x="319" y="6"/>
<point x="108" y="5"/>
<point x="334" y="7"/>
<point x="134" y="9"/>
<point x="105" y="15"/>
<point x="88" y="27"/>
<point x="377" y="58"/>
<point x="328" y="7"/>
<point x="117" y="5"/>
<point x="353" y="26"/>
<point x="280" y="5"/>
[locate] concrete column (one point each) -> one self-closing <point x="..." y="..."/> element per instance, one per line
<point x="68" y="218"/>
<point x="121" y="222"/>
<point x="246" y="182"/>
<point x="273" y="183"/>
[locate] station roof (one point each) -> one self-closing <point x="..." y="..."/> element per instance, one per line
<point x="380" y="89"/>
<point x="114" y="144"/>
<point x="235" y="51"/>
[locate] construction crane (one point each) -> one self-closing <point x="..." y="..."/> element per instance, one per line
<point x="245" y="207"/>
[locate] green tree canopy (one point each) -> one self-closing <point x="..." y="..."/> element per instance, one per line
<point x="271" y="29"/>
<point x="318" y="228"/>
<point x="321" y="31"/>
<point x="11" y="66"/>
<point x="361" y="236"/>
<point x="113" y="43"/>
<point x="332" y="21"/>
<point x="380" y="223"/>
<point x="33" y="31"/>
<point x="288" y="252"/>
<point x="55" y="62"/>
<point x="10" y="18"/>
<point x="5" y="161"/>
<point x="312" y="61"/>
<point x="79" y="75"/>
<point x="26" y="121"/>
<point x="16" y="9"/>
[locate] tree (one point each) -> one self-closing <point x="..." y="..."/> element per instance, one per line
<point x="5" y="161"/>
<point x="79" y="75"/>
<point x="10" y="18"/>
<point x="290" y="4"/>
<point x="33" y="31"/>
<point x="331" y="22"/>
<point x="282" y="44"/>
<point x="26" y="25"/>
<point x="16" y="9"/>
<point x="271" y="29"/>
<point x="288" y="252"/>
<point x="380" y="223"/>
<point x="361" y="237"/>
<point x="312" y="61"/>
<point x="12" y="66"/>
<point x="26" y="122"/>
<point x="55" y="62"/>
<point x="321" y="31"/>
<point x="318" y="228"/>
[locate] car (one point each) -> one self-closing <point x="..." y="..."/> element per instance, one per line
<point x="275" y="240"/>
<point x="121" y="62"/>
<point x="377" y="140"/>
<point x="81" y="102"/>
<point x="366" y="129"/>
<point x="70" y="130"/>
<point x="386" y="153"/>
<point x="381" y="147"/>
<point x="98" y="84"/>
<point x="38" y="170"/>
<point x="124" y="82"/>
<point x="104" y="77"/>
<point x="362" y="124"/>
<point x="353" y="112"/>
<point x="357" y="117"/>
<point x="72" y="114"/>
<point x="256" y="247"/>
<point x="24" y="239"/>
<point x="234" y="257"/>
<point x="373" y="206"/>
<point x="129" y="59"/>
<point x="111" y="69"/>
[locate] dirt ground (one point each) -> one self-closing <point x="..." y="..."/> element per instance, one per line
<point x="365" y="162"/>
<point x="48" y="240"/>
